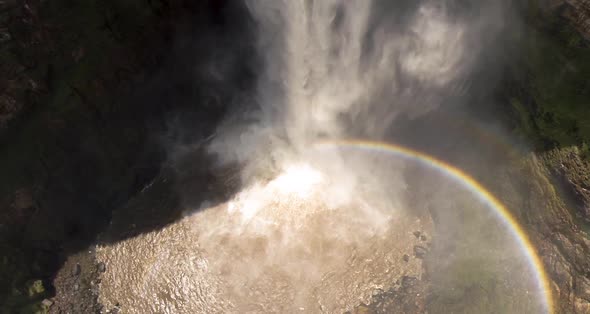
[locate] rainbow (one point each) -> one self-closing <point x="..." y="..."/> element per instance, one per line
<point x="471" y="185"/>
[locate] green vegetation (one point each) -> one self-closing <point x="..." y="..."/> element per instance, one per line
<point x="551" y="100"/>
<point x="84" y="51"/>
<point x="29" y="301"/>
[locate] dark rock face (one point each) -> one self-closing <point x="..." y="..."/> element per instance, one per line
<point x="572" y="172"/>
<point x="576" y="11"/>
<point x="553" y="114"/>
<point x="76" y="270"/>
<point x="88" y="93"/>
<point x="101" y="267"/>
<point x="410" y="296"/>
<point x="571" y="240"/>
<point x="561" y="239"/>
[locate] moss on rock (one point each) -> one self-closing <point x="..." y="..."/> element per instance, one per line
<point x="552" y="93"/>
<point x="35" y="288"/>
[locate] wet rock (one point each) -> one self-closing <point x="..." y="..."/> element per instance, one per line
<point x="116" y="309"/>
<point x="576" y="12"/>
<point x="101" y="267"/>
<point x="76" y="270"/>
<point x="378" y="292"/>
<point x="47" y="303"/>
<point x="363" y="309"/>
<point x="406" y="258"/>
<point x="409" y="281"/>
<point x="417" y="234"/>
<point x="420" y="251"/>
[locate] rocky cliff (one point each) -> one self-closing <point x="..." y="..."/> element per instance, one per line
<point x="577" y="12"/>
<point x="87" y="90"/>
<point x="62" y="129"/>
<point x="549" y="102"/>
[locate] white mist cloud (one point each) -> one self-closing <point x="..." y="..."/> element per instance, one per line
<point x="322" y="229"/>
<point x="333" y="70"/>
<point x="337" y="69"/>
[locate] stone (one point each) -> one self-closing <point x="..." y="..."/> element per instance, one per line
<point x="76" y="287"/>
<point x="406" y="258"/>
<point x="101" y="267"/>
<point x="47" y="303"/>
<point x="420" y="251"/>
<point x="423" y="238"/>
<point x="409" y="281"/>
<point x="378" y="292"/>
<point x="362" y="309"/>
<point x="578" y="14"/>
<point x="417" y="234"/>
<point x="76" y="270"/>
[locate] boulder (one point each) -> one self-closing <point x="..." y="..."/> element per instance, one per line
<point x="420" y="251"/>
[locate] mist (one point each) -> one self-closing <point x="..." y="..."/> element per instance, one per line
<point x="318" y="228"/>
<point x="335" y="70"/>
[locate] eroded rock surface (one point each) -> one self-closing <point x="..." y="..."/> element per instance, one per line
<point x="536" y="188"/>
<point x="576" y="11"/>
<point x="288" y="253"/>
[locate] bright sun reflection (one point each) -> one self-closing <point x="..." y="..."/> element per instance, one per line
<point x="283" y="196"/>
<point x="297" y="180"/>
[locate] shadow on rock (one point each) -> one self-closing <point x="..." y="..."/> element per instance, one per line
<point x="101" y="91"/>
